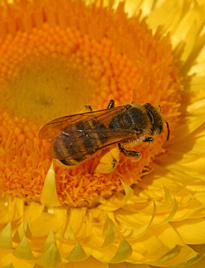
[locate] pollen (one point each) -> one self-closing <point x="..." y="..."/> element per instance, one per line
<point x="51" y="65"/>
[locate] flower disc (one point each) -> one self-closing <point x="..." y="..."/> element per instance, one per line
<point x="51" y="70"/>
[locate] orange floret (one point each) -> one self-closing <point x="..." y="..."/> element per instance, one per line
<point x="51" y="65"/>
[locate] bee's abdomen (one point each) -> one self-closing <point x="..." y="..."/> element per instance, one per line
<point x="87" y="136"/>
<point x="100" y="130"/>
<point x="92" y="134"/>
<point x="67" y="148"/>
<point x="77" y="142"/>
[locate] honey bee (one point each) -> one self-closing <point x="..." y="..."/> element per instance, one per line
<point x="75" y="137"/>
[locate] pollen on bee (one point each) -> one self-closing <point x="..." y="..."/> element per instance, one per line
<point x="108" y="162"/>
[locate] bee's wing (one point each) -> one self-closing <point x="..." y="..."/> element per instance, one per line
<point x="95" y="137"/>
<point x="54" y="127"/>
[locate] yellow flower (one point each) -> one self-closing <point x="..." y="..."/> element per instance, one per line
<point x="56" y="56"/>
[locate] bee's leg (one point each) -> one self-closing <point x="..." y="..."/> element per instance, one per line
<point x="63" y="163"/>
<point x="89" y="108"/>
<point x="148" y="139"/>
<point x="111" y="104"/>
<point x="129" y="153"/>
<point x="86" y="109"/>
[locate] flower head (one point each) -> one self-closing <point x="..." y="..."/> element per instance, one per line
<point x="57" y="56"/>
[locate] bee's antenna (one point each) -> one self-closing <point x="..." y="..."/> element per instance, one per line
<point x="168" y="130"/>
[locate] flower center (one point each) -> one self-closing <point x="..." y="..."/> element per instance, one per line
<point x="43" y="89"/>
<point x="42" y="84"/>
<point x="52" y="70"/>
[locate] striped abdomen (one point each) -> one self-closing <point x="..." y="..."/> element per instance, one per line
<point x="78" y="141"/>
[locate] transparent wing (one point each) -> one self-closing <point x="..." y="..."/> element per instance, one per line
<point x="56" y="126"/>
<point x="93" y="138"/>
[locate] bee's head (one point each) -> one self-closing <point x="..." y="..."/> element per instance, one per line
<point x="157" y="121"/>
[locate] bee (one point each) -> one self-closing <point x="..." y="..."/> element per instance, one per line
<point x="75" y="137"/>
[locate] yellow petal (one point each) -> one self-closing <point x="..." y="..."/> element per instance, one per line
<point x="16" y="207"/>
<point x="172" y="17"/>
<point x="20" y="233"/>
<point x="9" y="266"/>
<point x="136" y="222"/>
<point x="24" y="229"/>
<point x="49" y="241"/>
<point x="178" y="259"/>
<point x="33" y="211"/>
<point x="113" y="203"/>
<point x="77" y="254"/>
<point x="170" y="254"/>
<point x="128" y="265"/>
<point x="191" y="231"/>
<point x="108" y="232"/>
<point x="51" y="258"/>
<point x="69" y="234"/>
<point x="49" y="195"/>
<point x="123" y="252"/>
<point x="6" y="237"/>
<point x="198" y="264"/>
<point x="23" y="250"/>
<point x="90" y="262"/>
